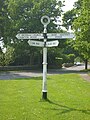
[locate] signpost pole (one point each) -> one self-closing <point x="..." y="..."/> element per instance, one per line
<point x="45" y="20"/>
<point x="44" y="86"/>
<point x="44" y="89"/>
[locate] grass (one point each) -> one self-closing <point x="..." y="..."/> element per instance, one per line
<point x="68" y="99"/>
<point x="85" y="70"/>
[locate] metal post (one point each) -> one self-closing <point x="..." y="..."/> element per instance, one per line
<point x="44" y="89"/>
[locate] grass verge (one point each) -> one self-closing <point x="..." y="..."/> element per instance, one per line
<point x="68" y="99"/>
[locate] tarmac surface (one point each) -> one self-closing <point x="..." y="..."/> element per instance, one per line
<point x="10" y="75"/>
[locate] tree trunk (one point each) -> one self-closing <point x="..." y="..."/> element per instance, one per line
<point x="86" y="64"/>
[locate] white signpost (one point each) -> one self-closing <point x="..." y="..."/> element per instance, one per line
<point x="30" y="36"/>
<point x="41" y="44"/>
<point x="52" y="43"/>
<point x="44" y="44"/>
<point x="36" y="43"/>
<point x="40" y="36"/>
<point x="59" y="35"/>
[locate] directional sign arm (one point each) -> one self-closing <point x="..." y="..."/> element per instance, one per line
<point x="41" y="36"/>
<point x="30" y="36"/>
<point x="35" y="43"/>
<point x="60" y="35"/>
<point x="52" y="43"/>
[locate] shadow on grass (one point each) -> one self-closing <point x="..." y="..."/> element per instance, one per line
<point x="65" y="109"/>
<point x="32" y="78"/>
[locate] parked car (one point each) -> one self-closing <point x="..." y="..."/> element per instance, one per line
<point x="77" y="63"/>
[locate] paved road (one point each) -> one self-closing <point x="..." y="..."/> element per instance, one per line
<point x="27" y="74"/>
<point x="77" y="68"/>
<point x="18" y="74"/>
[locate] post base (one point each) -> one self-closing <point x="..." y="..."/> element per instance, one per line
<point x="44" y="95"/>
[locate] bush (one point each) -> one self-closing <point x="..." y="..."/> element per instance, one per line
<point x="68" y="64"/>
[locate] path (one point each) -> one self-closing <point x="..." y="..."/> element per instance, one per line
<point x="85" y="76"/>
<point x="27" y="74"/>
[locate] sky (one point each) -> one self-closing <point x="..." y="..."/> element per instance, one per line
<point x="68" y="4"/>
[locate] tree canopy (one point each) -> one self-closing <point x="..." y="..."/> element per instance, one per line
<point x="81" y="26"/>
<point x="79" y="19"/>
<point x="23" y="16"/>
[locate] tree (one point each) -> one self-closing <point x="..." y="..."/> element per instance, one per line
<point x="71" y="15"/>
<point x="25" y="17"/>
<point x="79" y="19"/>
<point x="7" y="57"/>
<point x="68" y="18"/>
<point x="4" y="21"/>
<point x="81" y="26"/>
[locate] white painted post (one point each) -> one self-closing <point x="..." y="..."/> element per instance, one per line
<point x="45" y="20"/>
<point x="44" y="87"/>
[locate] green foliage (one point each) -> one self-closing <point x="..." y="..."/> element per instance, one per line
<point x="26" y="15"/>
<point x="77" y="59"/>
<point x="23" y="16"/>
<point x="82" y="30"/>
<point x="71" y="15"/>
<point x="71" y="58"/>
<point x="26" y="55"/>
<point x="7" y="57"/>
<point x="79" y="19"/>
<point x="68" y="18"/>
<point x="84" y="49"/>
<point x="68" y="96"/>
<point x="69" y="53"/>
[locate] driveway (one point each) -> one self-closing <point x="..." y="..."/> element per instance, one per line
<point x="77" y="68"/>
<point x="27" y="74"/>
<point x="18" y="74"/>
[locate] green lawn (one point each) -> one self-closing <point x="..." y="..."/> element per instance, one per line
<point x="68" y="99"/>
